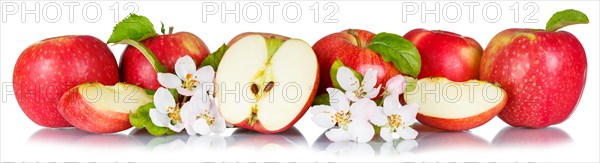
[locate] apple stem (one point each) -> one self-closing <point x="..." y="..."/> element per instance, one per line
<point x="171" y="29"/>
<point x="355" y="35"/>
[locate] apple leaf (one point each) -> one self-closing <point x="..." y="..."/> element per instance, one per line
<point x="566" y="18"/>
<point x="158" y="67"/>
<point x="133" y="27"/>
<point x="214" y="58"/>
<point x="411" y="84"/>
<point x="141" y="119"/>
<point x="398" y="50"/>
<point x="322" y="99"/>
<point x="333" y="73"/>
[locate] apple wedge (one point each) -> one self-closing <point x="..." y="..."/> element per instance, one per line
<point x="266" y="82"/>
<point x="456" y="106"/>
<point x="96" y="108"/>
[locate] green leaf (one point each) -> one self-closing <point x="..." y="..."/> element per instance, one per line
<point x="158" y="67"/>
<point x="333" y="73"/>
<point x="398" y="50"/>
<point x="566" y="18"/>
<point x="322" y="99"/>
<point x="411" y="84"/>
<point x="141" y="119"/>
<point x="133" y="27"/>
<point x="162" y="28"/>
<point x="214" y="58"/>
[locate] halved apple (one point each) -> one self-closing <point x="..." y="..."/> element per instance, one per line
<point x="266" y="82"/>
<point x="456" y="106"/>
<point x="96" y="108"/>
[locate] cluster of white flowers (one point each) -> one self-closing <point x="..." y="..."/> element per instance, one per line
<point x="199" y="114"/>
<point x="354" y="112"/>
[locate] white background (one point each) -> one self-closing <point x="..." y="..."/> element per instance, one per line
<point x="21" y="140"/>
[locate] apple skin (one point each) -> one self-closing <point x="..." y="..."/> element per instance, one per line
<point x="257" y="126"/>
<point x="543" y="73"/>
<point x="47" y="69"/>
<point x="135" y="68"/>
<point x="344" y="46"/>
<point x="446" y="54"/>
<point x="78" y="112"/>
<point x="462" y="124"/>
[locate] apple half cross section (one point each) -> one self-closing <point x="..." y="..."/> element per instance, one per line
<point x="456" y="106"/>
<point x="266" y="82"/>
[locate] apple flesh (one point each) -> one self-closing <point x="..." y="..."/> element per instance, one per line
<point x="543" y="73"/>
<point x="266" y="83"/>
<point x="446" y="54"/>
<point x="456" y="106"/>
<point x="96" y="108"/>
<point x="136" y="69"/>
<point x="351" y="47"/>
<point x="47" y="69"/>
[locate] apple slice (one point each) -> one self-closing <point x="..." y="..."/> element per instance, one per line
<point x="456" y="106"/>
<point x="96" y="108"/>
<point x="265" y="82"/>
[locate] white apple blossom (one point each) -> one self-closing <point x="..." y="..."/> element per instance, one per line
<point x="167" y="112"/>
<point x="395" y="86"/>
<point x="351" y="119"/>
<point x="395" y="120"/>
<point x="354" y="89"/>
<point x="188" y="79"/>
<point x="200" y="115"/>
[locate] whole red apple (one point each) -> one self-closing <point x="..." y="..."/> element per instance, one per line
<point x="351" y="47"/>
<point x="446" y="54"/>
<point x="47" y="69"/>
<point x="135" y="68"/>
<point x="543" y="72"/>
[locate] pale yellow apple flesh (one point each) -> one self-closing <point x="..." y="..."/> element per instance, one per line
<point x="267" y="81"/>
<point x="121" y="98"/>
<point x="456" y="106"/>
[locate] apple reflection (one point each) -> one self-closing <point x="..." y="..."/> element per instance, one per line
<point x="528" y="137"/>
<point x="287" y="140"/>
<point x="431" y="139"/>
<point x="75" y="137"/>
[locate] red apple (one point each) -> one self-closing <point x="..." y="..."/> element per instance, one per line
<point x="543" y="72"/>
<point x="351" y="47"/>
<point x="47" y="69"/>
<point x="446" y="54"/>
<point x="266" y="83"/>
<point x="456" y="106"/>
<point x="135" y="68"/>
<point x="96" y="108"/>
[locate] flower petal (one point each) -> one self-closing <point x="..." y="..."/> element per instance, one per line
<point x="362" y="109"/>
<point x="338" y="100"/>
<point x="361" y="131"/>
<point x="163" y="100"/>
<point x="185" y="92"/>
<point x="370" y="79"/>
<point x="338" y="135"/>
<point x="201" y="127"/>
<point x="386" y="134"/>
<point x="218" y="126"/>
<point x="318" y="109"/>
<point x="205" y="74"/>
<point x="184" y="66"/>
<point x="177" y="127"/>
<point x="189" y="113"/>
<point x="351" y="96"/>
<point x="408" y="113"/>
<point x="406" y="145"/>
<point x="159" y="119"/>
<point x="373" y="92"/>
<point x="407" y="133"/>
<point x="391" y="105"/>
<point x="379" y="118"/>
<point x="324" y="120"/>
<point x="169" y="80"/>
<point x="200" y="100"/>
<point x="395" y="85"/>
<point x="346" y="79"/>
